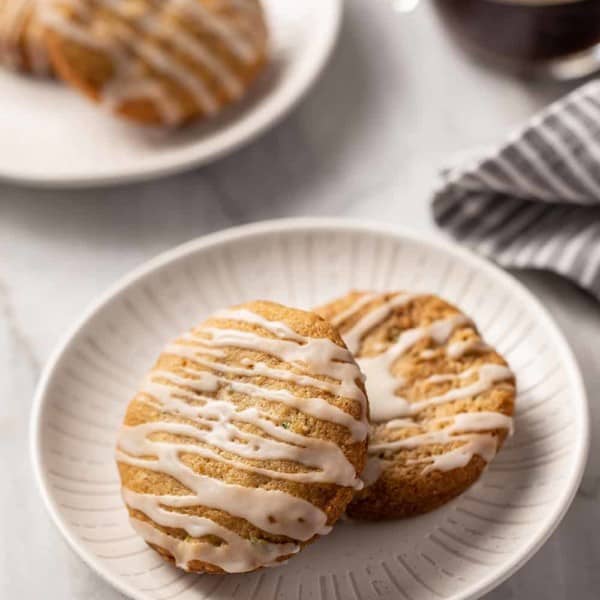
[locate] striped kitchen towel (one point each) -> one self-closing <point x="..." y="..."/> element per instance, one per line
<point x="534" y="202"/>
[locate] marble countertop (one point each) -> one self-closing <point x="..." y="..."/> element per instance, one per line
<point x="396" y="102"/>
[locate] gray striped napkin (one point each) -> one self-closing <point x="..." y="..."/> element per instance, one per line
<point x="534" y="202"/>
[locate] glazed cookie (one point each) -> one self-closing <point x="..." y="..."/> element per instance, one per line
<point x="22" y="44"/>
<point x="441" y="399"/>
<point x="245" y="440"/>
<point x="158" y="61"/>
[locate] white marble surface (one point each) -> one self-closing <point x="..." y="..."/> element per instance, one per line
<point x="396" y="101"/>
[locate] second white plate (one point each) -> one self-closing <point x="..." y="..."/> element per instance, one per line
<point x="50" y="136"/>
<point x="457" y="552"/>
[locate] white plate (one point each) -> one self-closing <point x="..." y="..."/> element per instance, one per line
<point x="459" y="551"/>
<point x="50" y="136"/>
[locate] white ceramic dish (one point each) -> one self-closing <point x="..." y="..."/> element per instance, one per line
<point x="50" y="136"/>
<point x="457" y="552"/>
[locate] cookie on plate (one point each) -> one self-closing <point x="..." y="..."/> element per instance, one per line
<point x="245" y="441"/>
<point x="158" y="62"/>
<point x="22" y="43"/>
<point x="441" y="399"/>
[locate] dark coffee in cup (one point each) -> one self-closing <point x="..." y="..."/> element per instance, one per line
<point x="524" y="31"/>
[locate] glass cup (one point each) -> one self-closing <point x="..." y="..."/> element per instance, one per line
<point x="557" y="37"/>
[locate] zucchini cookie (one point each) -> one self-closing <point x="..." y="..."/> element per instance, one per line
<point x="245" y="441"/>
<point x="160" y="62"/>
<point x="441" y="399"/>
<point x="22" y="43"/>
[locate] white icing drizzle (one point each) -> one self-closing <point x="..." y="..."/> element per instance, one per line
<point x="371" y="319"/>
<point x="468" y="428"/>
<point x="214" y="429"/>
<point x="485" y="446"/>
<point x="372" y="471"/>
<point x="480" y="444"/>
<point x="12" y="29"/>
<point x="21" y="33"/>
<point x="472" y="346"/>
<point x="128" y="40"/>
<point x="381" y="381"/>
<point x="400" y="424"/>
<point x="218" y="419"/>
<point x="487" y="375"/>
<point x="181" y="74"/>
<point x="241" y="315"/>
<point x="472" y="429"/>
<point x="354" y="308"/>
<point x="229" y="35"/>
<point x="292" y="516"/>
<point x="313" y="406"/>
<point x="460" y="423"/>
<point x="238" y="553"/>
<point x="243" y="554"/>
<point x="259" y="368"/>
<point x="321" y="355"/>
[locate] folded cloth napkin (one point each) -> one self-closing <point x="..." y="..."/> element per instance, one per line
<point x="534" y="202"/>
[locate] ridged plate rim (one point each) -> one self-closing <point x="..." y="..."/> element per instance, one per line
<point x="307" y="225"/>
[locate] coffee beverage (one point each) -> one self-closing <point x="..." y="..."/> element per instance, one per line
<point x="524" y="31"/>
